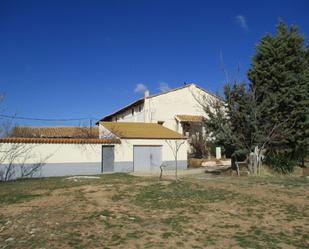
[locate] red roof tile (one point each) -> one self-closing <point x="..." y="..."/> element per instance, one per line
<point x="56" y="131"/>
<point x="59" y="140"/>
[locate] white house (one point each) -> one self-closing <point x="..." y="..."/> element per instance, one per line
<point x="141" y="136"/>
<point x="61" y="151"/>
<point x="179" y="109"/>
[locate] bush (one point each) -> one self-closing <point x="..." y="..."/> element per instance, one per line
<point x="280" y="163"/>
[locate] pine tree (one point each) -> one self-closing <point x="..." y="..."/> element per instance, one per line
<point x="279" y="78"/>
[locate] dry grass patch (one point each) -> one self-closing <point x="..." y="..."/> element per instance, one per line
<point x="122" y="211"/>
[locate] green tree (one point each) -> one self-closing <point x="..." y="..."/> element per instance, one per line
<point x="271" y="114"/>
<point x="229" y="122"/>
<point x="279" y="78"/>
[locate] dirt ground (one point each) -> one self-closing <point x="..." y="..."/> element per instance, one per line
<point x="124" y="211"/>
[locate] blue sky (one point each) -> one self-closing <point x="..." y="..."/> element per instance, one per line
<point x="69" y="58"/>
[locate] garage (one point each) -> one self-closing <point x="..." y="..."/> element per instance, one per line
<point x="145" y="146"/>
<point x="147" y="158"/>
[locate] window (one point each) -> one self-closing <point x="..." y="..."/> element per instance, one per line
<point x="132" y="111"/>
<point x="160" y="122"/>
<point x="140" y="108"/>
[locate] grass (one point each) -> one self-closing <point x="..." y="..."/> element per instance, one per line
<point x="122" y="211"/>
<point x="175" y="222"/>
<point x="16" y="198"/>
<point x="2" y="220"/>
<point x="27" y="189"/>
<point x="179" y="195"/>
<point x="282" y="181"/>
<point x="261" y="237"/>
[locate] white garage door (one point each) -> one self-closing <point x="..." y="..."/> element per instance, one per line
<point x="147" y="157"/>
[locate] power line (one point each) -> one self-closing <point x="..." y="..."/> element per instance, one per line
<point x="45" y="119"/>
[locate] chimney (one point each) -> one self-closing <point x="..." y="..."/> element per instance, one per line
<point x="146" y="93"/>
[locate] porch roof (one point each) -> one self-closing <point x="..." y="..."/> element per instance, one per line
<point x="189" y="118"/>
<point x="138" y="130"/>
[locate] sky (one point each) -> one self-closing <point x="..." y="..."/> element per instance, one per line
<point x="84" y="59"/>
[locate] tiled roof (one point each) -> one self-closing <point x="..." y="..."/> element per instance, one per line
<point x="59" y="140"/>
<point x="141" y="130"/>
<point x="189" y="118"/>
<point x="56" y="131"/>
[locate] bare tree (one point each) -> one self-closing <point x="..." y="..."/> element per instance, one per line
<point x="83" y="131"/>
<point x="200" y="143"/>
<point x="175" y="145"/>
<point x="13" y="161"/>
<point x="162" y="166"/>
<point x="14" y="156"/>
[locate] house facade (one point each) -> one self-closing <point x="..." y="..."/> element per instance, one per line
<point x="62" y="151"/>
<point x="180" y="109"/>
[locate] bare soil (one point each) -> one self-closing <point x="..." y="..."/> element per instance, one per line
<point x="123" y="211"/>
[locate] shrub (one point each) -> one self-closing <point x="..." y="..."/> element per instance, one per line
<point x="280" y="163"/>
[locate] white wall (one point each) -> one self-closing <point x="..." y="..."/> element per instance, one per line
<point x="126" y="116"/>
<point x="165" y="106"/>
<point x="77" y="159"/>
<point x="83" y="153"/>
<point x="124" y="151"/>
<point x="57" y="159"/>
<point x="60" y="153"/>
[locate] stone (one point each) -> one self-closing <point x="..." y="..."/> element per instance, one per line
<point x="103" y="217"/>
<point x="8" y="223"/>
<point x="209" y="163"/>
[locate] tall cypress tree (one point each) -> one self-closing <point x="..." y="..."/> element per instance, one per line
<point x="279" y="77"/>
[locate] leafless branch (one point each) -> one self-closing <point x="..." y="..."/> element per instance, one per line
<point x="175" y="146"/>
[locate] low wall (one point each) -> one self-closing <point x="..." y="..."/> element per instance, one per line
<point x="58" y="169"/>
<point x="83" y="159"/>
<point x="57" y="159"/>
<point x="197" y="162"/>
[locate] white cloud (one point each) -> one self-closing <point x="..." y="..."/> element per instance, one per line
<point x="242" y="22"/>
<point x="164" y="87"/>
<point x="140" y="88"/>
